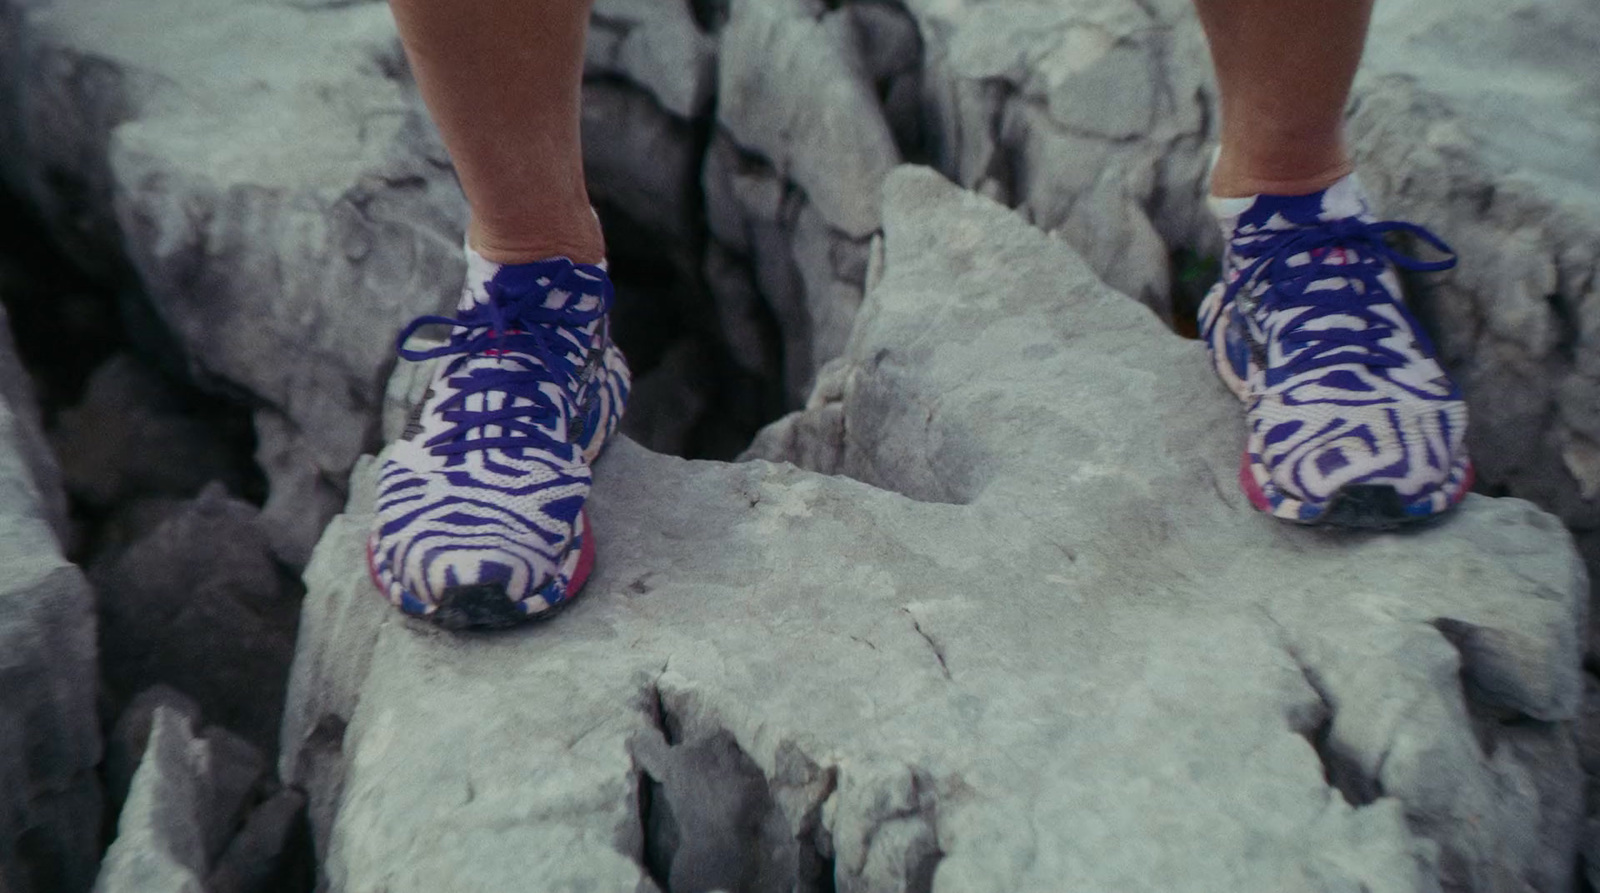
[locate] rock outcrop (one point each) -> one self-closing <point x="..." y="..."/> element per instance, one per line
<point x="1021" y="632"/>
<point x="49" y="733"/>
<point x="260" y="173"/>
<point x="295" y="204"/>
<point x="199" y="817"/>
<point x="198" y="603"/>
<point x="276" y="194"/>
<point x="132" y="438"/>
<point x="1479" y="119"/>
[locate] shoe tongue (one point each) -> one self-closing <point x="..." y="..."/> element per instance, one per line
<point x="514" y="280"/>
<point x="1344" y="198"/>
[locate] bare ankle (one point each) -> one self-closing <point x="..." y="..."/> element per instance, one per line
<point x="581" y="241"/>
<point x="1234" y="179"/>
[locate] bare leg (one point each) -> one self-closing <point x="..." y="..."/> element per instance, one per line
<point x="1284" y="68"/>
<point x="503" y="80"/>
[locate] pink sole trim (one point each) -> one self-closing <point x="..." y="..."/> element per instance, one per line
<point x="372" y="573"/>
<point x="1252" y="490"/>
<point x="586" y="553"/>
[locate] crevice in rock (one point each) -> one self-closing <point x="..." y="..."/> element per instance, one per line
<point x="921" y="871"/>
<point x="913" y="824"/>
<point x="938" y="652"/>
<point x="665" y="722"/>
<point x="164" y="493"/>
<point x="1339" y="769"/>
<point x="1568" y="328"/>
<point x="660" y="832"/>
<point x="816" y="865"/>
<point x="1193" y="275"/>
<point x="1487" y="714"/>
<point x="891" y="48"/>
<point x="706" y="811"/>
<point x="1001" y="179"/>
<point x="693" y="396"/>
<point x="710" y="15"/>
<point x="40" y="859"/>
<point x="1341" y="773"/>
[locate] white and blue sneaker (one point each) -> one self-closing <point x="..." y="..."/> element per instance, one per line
<point x="1352" y="421"/>
<point x="480" y="517"/>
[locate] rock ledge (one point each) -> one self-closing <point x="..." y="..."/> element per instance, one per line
<point x="1035" y="640"/>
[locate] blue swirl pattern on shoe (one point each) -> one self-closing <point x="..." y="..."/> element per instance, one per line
<point x="1351" y="419"/>
<point x="480" y="503"/>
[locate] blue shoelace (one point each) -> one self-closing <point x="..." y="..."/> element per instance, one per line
<point x="1368" y="255"/>
<point x="510" y="326"/>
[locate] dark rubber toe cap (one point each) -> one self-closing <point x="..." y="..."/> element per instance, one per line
<point x="477" y="606"/>
<point x="1366" y="507"/>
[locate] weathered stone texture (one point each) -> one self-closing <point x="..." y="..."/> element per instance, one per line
<point x="49" y="732"/>
<point x="1020" y="650"/>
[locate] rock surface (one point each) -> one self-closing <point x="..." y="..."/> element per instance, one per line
<point x="199" y="604"/>
<point x="160" y="841"/>
<point x="1476" y="118"/>
<point x="185" y="828"/>
<point x="49" y="733"/>
<point x="29" y="436"/>
<point x="260" y="857"/>
<point x="130" y="735"/>
<point x="1035" y="640"/>
<point x="279" y="199"/>
<point x="131" y="436"/>
<point x="295" y="204"/>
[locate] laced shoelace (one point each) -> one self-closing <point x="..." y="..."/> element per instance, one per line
<point x="522" y="330"/>
<point x="1365" y="257"/>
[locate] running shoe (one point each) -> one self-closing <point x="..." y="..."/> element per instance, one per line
<point x="1351" y="420"/>
<point x="480" y="504"/>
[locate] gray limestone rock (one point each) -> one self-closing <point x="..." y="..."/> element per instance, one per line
<point x="49" y="734"/>
<point x="643" y="164"/>
<point x="132" y="436"/>
<point x="160" y="841"/>
<point x="656" y="46"/>
<point x="1475" y="119"/>
<point x="332" y="661"/>
<point x="125" y="746"/>
<point x="670" y="400"/>
<point x="267" y="172"/>
<point x="294" y="204"/>
<point x="16" y="389"/>
<point x="1588" y="728"/>
<point x="1028" y="637"/>
<point x="1091" y="116"/>
<point x="1591" y="853"/>
<point x="255" y="858"/>
<point x="792" y="176"/>
<point x="200" y="604"/>
<point x="303" y="494"/>
<point x="742" y="317"/>
<point x="238" y="771"/>
<point x="191" y="821"/>
<point x="792" y="89"/>
<point x="1470" y="120"/>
